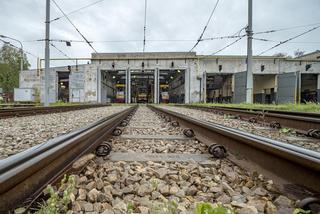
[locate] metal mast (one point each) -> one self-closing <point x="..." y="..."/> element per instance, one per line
<point x="249" y="56"/>
<point x="47" y="55"/>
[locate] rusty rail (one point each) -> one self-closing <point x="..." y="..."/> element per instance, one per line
<point x="25" y="175"/>
<point x="303" y="122"/>
<point x="27" y="111"/>
<point x="286" y="164"/>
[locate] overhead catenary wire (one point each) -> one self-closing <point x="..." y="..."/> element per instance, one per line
<point x="205" y="27"/>
<point x="27" y="52"/>
<point x="287" y="40"/>
<point x="298" y="42"/>
<point x="65" y="15"/>
<point x="81" y="8"/>
<point x="287" y="28"/>
<point x="64" y="54"/>
<point x="232" y="43"/>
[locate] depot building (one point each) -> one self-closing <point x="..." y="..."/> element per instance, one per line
<point x="179" y="77"/>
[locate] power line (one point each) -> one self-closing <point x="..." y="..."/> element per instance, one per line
<point x="298" y="42"/>
<point x="288" y="28"/>
<point x="222" y="37"/>
<point x="232" y="43"/>
<point x="61" y="51"/>
<point x="205" y="27"/>
<point x="81" y="8"/>
<point x="145" y="25"/>
<point x="27" y="52"/>
<point x="114" y="41"/>
<point x="65" y="15"/>
<point x="287" y="40"/>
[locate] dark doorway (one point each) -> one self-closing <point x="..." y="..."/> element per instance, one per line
<point x="142" y="86"/>
<point x="219" y="88"/>
<point x="172" y="89"/>
<point x="63" y="86"/>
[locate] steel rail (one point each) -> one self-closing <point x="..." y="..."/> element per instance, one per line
<point x="26" y="111"/>
<point x="286" y="164"/>
<point x="302" y="121"/>
<point x="25" y="175"/>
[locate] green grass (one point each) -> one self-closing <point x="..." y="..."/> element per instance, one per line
<point x="309" y="107"/>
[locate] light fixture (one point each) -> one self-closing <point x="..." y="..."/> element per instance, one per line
<point x="179" y="71"/>
<point x="171" y="77"/>
<point x="113" y="77"/>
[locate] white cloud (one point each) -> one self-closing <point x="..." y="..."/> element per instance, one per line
<point x="166" y="19"/>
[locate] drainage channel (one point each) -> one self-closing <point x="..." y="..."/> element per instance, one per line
<point x="155" y="165"/>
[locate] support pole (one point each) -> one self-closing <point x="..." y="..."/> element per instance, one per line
<point x="47" y="55"/>
<point x="318" y="88"/>
<point x="249" y="88"/>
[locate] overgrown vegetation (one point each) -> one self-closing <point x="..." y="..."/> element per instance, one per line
<point x="287" y="131"/>
<point x="308" y="107"/>
<point x="169" y="207"/>
<point x="301" y="211"/>
<point x="58" y="201"/>
<point x="208" y="208"/>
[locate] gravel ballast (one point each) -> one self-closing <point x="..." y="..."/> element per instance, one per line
<point x="20" y="133"/>
<point x="289" y="136"/>
<point x="109" y="187"/>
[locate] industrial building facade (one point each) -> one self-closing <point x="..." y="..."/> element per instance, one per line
<point x="179" y="77"/>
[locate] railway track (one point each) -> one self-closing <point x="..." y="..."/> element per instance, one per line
<point x="27" y="111"/>
<point x="161" y="155"/>
<point x="304" y="122"/>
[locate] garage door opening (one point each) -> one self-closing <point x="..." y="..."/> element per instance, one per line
<point x="63" y="86"/>
<point x="172" y="88"/>
<point x="264" y="88"/>
<point x="219" y="88"/>
<point x="142" y="86"/>
<point x="113" y="86"/>
<point x="309" y="88"/>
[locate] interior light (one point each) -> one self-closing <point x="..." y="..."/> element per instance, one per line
<point x="113" y="77"/>
<point x="171" y="77"/>
<point x="179" y="71"/>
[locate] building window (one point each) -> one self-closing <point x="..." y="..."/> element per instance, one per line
<point x="308" y="66"/>
<point x="262" y="67"/>
<point x="220" y="67"/>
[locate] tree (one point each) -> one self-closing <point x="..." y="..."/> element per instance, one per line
<point x="298" y="53"/>
<point x="10" y="59"/>
<point x="282" y="55"/>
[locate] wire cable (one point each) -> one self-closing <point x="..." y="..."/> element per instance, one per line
<point x="288" y="28"/>
<point x="64" y="54"/>
<point x="65" y="15"/>
<point x="232" y="43"/>
<point x="81" y="8"/>
<point x="287" y="40"/>
<point x="222" y="37"/>
<point x="205" y="27"/>
<point x="27" y="52"/>
<point x="298" y="42"/>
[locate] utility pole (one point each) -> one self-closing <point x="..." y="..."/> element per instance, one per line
<point x="47" y="55"/>
<point x="249" y="89"/>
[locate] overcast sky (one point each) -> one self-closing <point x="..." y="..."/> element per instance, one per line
<point x="122" y="20"/>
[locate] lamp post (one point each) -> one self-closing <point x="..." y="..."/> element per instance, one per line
<point x="21" y="49"/>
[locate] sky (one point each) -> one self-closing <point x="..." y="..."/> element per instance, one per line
<point x="179" y="20"/>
